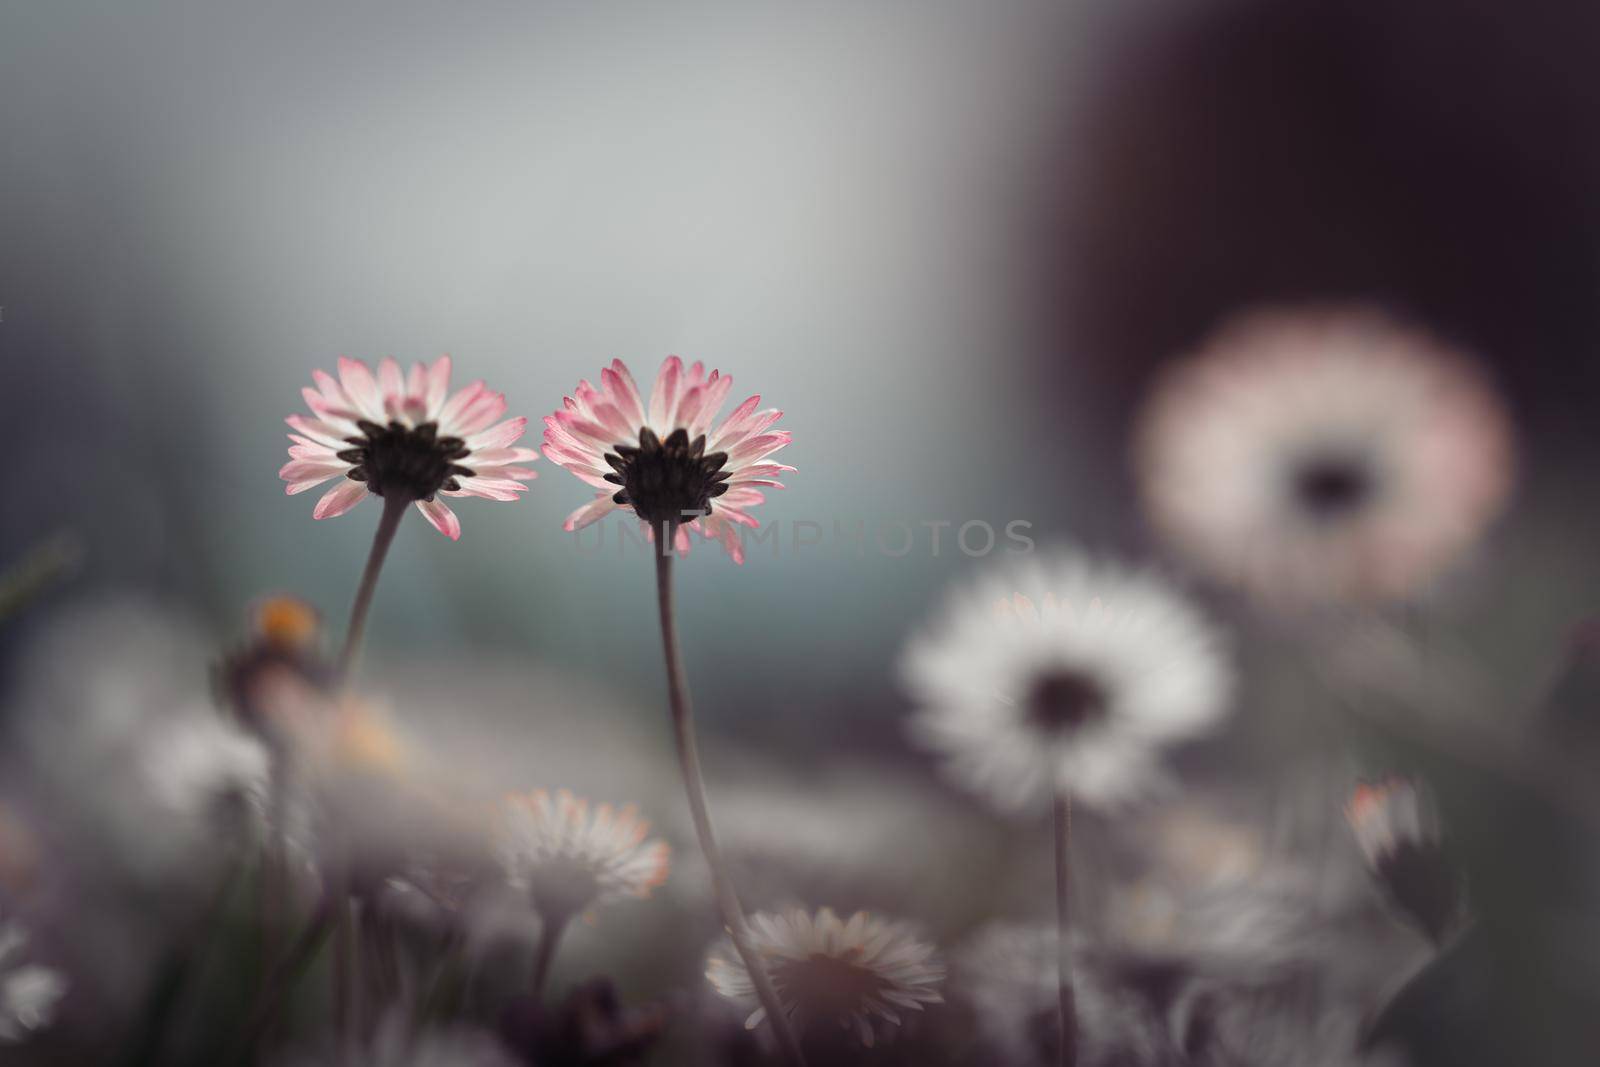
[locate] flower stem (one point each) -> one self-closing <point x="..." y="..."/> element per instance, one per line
<point x="694" y="785"/>
<point x="1068" y="1052"/>
<point x="549" y="937"/>
<point x="284" y="973"/>
<point x="394" y="509"/>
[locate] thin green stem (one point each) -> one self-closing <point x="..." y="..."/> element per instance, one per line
<point x="283" y="976"/>
<point x="1068" y="1052"/>
<point x="394" y="509"/>
<point x="694" y="784"/>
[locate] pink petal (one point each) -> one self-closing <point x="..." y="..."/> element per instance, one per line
<point x="332" y="391"/>
<point x="610" y="418"/>
<point x="735" y="418"/>
<point x="294" y="488"/>
<point x="340" y="499"/>
<point x="319" y="432"/>
<point x="452" y="408"/>
<point x="489" y="489"/>
<point x="478" y="415"/>
<point x="361" y="388"/>
<point x="493" y="456"/>
<point x="664" y="397"/>
<point x="443" y="519"/>
<point x="300" y="469"/>
<point x="763" y="470"/>
<point x="391" y="386"/>
<point x="499" y="436"/>
<point x="597" y="508"/>
<point x="716" y="393"/>
<point x="500" y="473"/>
<point x="759" y="446"/>
<point x="621" y="391"/>
<point x="438" y="387"/>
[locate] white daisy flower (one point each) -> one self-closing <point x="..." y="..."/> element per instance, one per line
<point x="406" y="436"/>
<point x="1059" y="674"/>
<point x="667" y="459"/>
<point x="28" y="992"/>
<point x="861" y="973"/>
<point x="570" y="859"/>
<point x="1323" y="456"/>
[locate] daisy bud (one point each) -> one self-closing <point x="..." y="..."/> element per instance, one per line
<point x="1398" y="830"/>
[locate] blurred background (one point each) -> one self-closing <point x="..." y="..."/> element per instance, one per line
<point x="949" y="241"/>
<point x="952" y="241"/>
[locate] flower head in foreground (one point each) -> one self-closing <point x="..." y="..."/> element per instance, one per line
<point x="569" y="858"/>
<point x="857" y="973"/>
<point x="664" y="460"/>
<point x="1397" y="827"/>
<point x="28" y="992"/>
<point x="1324" y="456"/>
<point x="406" y="435"/>
<point x="1063" y="675"/>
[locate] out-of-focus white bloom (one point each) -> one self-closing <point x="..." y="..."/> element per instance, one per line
<point x="858" y="973"/>
<point x="28" y="992"/>
<point x="1323" y="455"/>
<point x="865" y="834"/>
<point x="1007" y="973"/>
<point x="113" y="696"/>
<point x="1252" y="1032"/>
<point x="1059" y="673"/>
<point x="203" y="771"/>
<point x="569" y="858"/>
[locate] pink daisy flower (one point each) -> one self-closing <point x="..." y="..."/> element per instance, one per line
<point x="664" y="460"/>
<point x="394" y="433"/>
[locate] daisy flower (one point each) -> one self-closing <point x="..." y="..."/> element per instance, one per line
<point x="664" y="460"/>
<point x="570" y="858"/>
<point x="1320" y="456"/>
<point x="1397" y="826"/>
<point x="1062" y="676"/>
<point x="407" y="436"/>
<point x="28" y="992"/>
<point x="861" y="973"/>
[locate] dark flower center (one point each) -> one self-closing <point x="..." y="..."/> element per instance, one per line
<point x="1331" y="487"/>
<point x="1064" y="701"/>
<point x="411" y="462"/>
<point x="827" y="986"/>
<point x="668" y="481"/>
<point x="563" y="886"/>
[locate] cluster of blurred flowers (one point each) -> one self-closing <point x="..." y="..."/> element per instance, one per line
<point x="1330" y="465"/>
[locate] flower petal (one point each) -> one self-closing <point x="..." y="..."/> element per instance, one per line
<point x="441" y="517"/>
<point x="362" y="388"/>
<point x="340" y="499"/>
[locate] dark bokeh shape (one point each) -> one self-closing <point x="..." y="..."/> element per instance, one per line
<point x="1435" y="156"/>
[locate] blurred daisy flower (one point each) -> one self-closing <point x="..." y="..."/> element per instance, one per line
<point x="570" y="858"/>
<point x="1397" y="827"/>
<point x="1006" y="974"/>
<point x="277" y="670"/>
<point x="1323" y="456"/>
<point x="664" y="460"/>
<point x="859" y="973"/>
<point x="1063" y="675"/>
<point x="28" y="992"/>
<point x="405" y="435"/>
